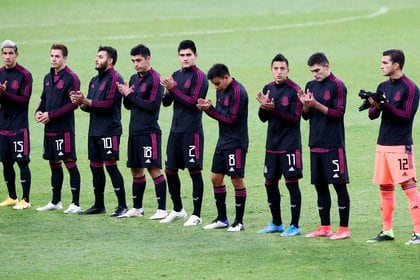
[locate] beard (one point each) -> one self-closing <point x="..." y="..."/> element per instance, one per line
<point x="101" y="67"/>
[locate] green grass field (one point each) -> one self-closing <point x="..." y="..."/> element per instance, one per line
<point x="245" y="35"/>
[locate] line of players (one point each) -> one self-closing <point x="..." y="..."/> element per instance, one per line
<point x="282" y="104"/>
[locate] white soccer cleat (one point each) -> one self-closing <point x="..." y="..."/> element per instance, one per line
<point x="133" y="212"/>
<point x="217" y="224"/>
<point x="50" y="206"/>
<point x="193" y="221"/>
<point x="73" y="209"/>
<point x="159" y="215"/>
<point x="173" y="215"/>
<point x="236" y="227"/>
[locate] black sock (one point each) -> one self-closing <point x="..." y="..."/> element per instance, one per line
<point x="160" y="191"/>
<point x="220" y="197"/>
<point x="343" y="204"/>
<point x="324" y="203"/>
<point x="74" y="181"/>
<point x="57" y="178"/>
<point x="25" y="179"/>
<point x="295" y="201"/>
<point x="117" y="183"/>
<point x="98" y="176"/>
<point x="273" y="198"/>
<point x="240" y="198"/>
<point x="139" y="185"/>
<point x="197" y="191"/>
<point x="10" y="178"/>
<point x="174" y="186"/>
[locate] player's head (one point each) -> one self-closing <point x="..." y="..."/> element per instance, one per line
<point x="9" y="53"/>
<point x="187" y="44"/>
<point x="110" y="52"/>
<point x="279" y="68"/>
<point x="396" y="56"/>
<point x="187" y="53"/>
<point x="140" y="57"/>
<point x="319" y="66"/>
<point x="219" y="76"/>
<point x="60" y="47"/>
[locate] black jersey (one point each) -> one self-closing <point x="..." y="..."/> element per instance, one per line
<point x="105" y="110"/>
<point x="14" y="102"/>
<point x="327" y="131"/>
<point x="55" y="99"/>
<point x="144" y="102"/>
<point x="283" y="131"/>
<point x="231" y="112"/>
<point x="398" y="112"/>
<point x="191" y="84"/>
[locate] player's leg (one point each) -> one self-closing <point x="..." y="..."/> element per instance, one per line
<point x="9" y="175"/>
<point x="343" y="201"/>
<point x="240" y="199"/>
<point x="74" y="175"/>
<point x="56" y="187"/>
<point x="219" y="190"/>
<point x="292" y="185"/>
<point x="413" y="196"/>
<point x="160" y="192"/>
<point x="118" y="185"/>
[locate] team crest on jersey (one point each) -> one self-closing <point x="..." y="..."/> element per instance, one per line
<point x="102" y="87"/>
<point x="60" y="84"/>
<point x="397" y="96"/>
<point x="226" y="102"/>
<point x="14" y="85"/>
<point x="285" y="101"/>
<point x="143" y="87"/>
<point x="187" y="84"/>
<point x="47" y="84"/>
<point x="327" y="95"/>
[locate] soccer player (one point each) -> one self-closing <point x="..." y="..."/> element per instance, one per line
<point x="15" y="92"/>
<point x="142" y="97"/>
<point x="231" y="112"/>
<point x="56" y="112"/>
<point x="103" y="103"/>
<point x="324" y="104"/>
<point x="280" y="106"/>
<point x="394" y="161"/>
<point x="186" y="139"/>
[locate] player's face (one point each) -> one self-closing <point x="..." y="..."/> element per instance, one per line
<point x="101" y="61"/>
<point x="58" y="61"/>
<point x="320" y="72"/>
<point x="279" y="70"/>
<point x="387" y="66"/>
<point x="186" y="58"/>
<point x="9" y="57"/>
<point x="220" y="84"/>
<point x="140" y="63"/>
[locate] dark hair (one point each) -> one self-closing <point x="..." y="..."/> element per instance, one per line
<point x="187" y="44"/>
<point x="280" y="58"/>
<point x="218" y="70"/>
<point x="318" y="58"/>
<point x="60" y="47"/>
<point x="140" y="49"/>
<point x="397" y="56"/>
<point x="111" y="52"/>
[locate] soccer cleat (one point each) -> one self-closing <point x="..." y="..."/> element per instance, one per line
<point x="159" y="215"/>
<point x="119" y="211"/>
<point x="50" y="206"/>
<point x="174" y="215"/>
<point x="217" y="224"/>
<point x="236" y="227"/>
<point x="342" y="233"/>
<point x="93" y="210"/>
<point x="22" y="205"/>
<point x="193" y="221"/>
<point x="270" y="228"/>
<point x="381" y="237"/>
<point x="9" y="202"/>
<point x="322" y="231"/>
<point x="292" y="231"/>
<point x="73" y="209"/>
<point x="133" y="212"/>
<point x="415" y="240"/>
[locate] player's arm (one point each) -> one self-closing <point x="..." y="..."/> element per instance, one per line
<point x="292" y="113"/>
<point x="68" y="105"/>
<point x="236" y="107"/>
<point x="24" y="93"/>
<point x="198" y="89"/>
<point x="409" y="107"/>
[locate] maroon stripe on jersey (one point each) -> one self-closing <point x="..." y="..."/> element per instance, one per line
<point x="156" y="81"/>
<point x="27" y="87"/>
<point x="406" y="113"/>
<point x="63" y="110"/>
<point x="234" y="114"/>
<point x="154" y="146"/>
<point x="339" y="111"/>
<point x="7" y="133"/>
<point x="197" y="89"/>
<point x="111" y="92"/>
<point x="76" y="81"/>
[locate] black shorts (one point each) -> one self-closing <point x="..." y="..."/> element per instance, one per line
<point x="144" y="151"/>
<point x="101" y="148"/>
<point x="14" y="145"/>
<point x="184" y="150"/>
<point x="230" y="162"/>
<point x="59" y="146"/>
<point x="287" y="164"/>
<point x="329" y="167"/>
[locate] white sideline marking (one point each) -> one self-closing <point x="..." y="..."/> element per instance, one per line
<point x="377" y="13"/>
